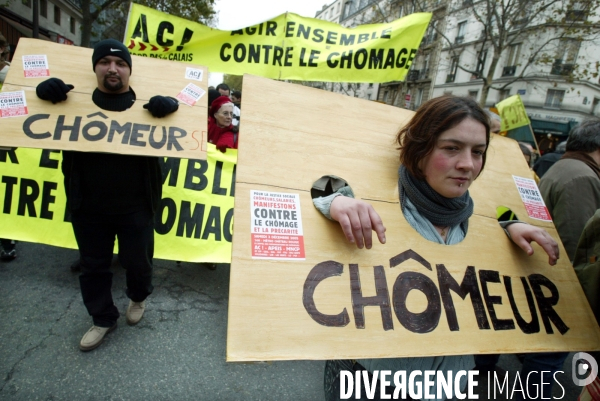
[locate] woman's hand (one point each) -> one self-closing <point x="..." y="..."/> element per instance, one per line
<point x="522" y="234"/>
<point x="358" y="219"/>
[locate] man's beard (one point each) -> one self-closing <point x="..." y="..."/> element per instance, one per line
<point x="113" y="87"/>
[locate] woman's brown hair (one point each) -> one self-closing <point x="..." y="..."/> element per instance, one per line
<point x="418" y="138"/>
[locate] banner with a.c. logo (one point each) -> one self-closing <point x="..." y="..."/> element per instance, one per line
<point x="193" y="223"/>
<point x="286" y="47"/>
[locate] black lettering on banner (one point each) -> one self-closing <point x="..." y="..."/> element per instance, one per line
<point x="29" y="121"/>
<point x="363" y="37"/>
<point x="317" y="274"/>
<point x="381" y="299"/>
<point x="289" y="29"/>
<point x="314" y="55"/>
<point x="192" y="222"/>
<point x="303" y="31"/>
<point x="47" y="199"/>
<point x="389" y="60"/>
<point x="10" y="182"/>
<point x="239" y="48"/>
<point x="173" y="138"/>
<point x="386" y="33"/>
<point x="545" y="304"/>
<point x="267" y="49"/>
<point x="492" y="276"/>
<point x="411" y="56"/>
<point x="169" y="168"/>
<point x="61" y="127"/>
<point x="278" y="54"/>
<point x="161" y="227"/>
<point x="99" y="125"/>
<point x="164" y="27"/>
<point x="163" y="139"/>
<point x="318" y="35"/>
<point x="196" y="172"/>
<point x="346" y="57"/>
<point x="232" y="186"/>
<point x="401" y="61"/>
<point x="347" y="40"/>
<point x="254" y="53"/>
<point x="250" y="30"/>
<point x="136" y="133"/>
<point x="216" y="187"/>
<point x="376" y="59"/>
<point x="331" y="38"/>
<point x="187" y="36"/>
<point x="141" y="29"/>
<point x="527" y="327"/>
<point x="27" y="198"/>
<point x="237" y="32"/>
<point x="288" y="55"/>
<point x="46" y="161"/>
<point x="468" y="286"/>
<point x="222" y="52"/>
<point x="12" y="155"/>
<point x="227" y="226"/>
<point x="213" y="223"/>
<point x="331" y="60"/>
<point x="119" y="129"/>
<point x="360" y="64"/>
<point x="271" y="27"/>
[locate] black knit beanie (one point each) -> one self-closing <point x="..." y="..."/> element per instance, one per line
<point x="110" y="47"/>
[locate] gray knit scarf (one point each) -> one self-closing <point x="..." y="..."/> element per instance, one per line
<point x="439" y="210"/>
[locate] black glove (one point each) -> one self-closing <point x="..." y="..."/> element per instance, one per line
<point x="160" y="106"/>
<point x="53" y="89"/>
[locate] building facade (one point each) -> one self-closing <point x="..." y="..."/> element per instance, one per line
<point x="59" y="21"/>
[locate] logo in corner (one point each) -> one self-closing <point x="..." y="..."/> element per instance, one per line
<point x="581" y="365"/>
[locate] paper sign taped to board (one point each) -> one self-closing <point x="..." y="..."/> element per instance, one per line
<point x="190" y="94"/>
<point x="532" y="199"/>
<point x="13" y="104"/>
<point x="193" y="73"/>
<point x="276" y="226"/>
<point x="35" y="66"/>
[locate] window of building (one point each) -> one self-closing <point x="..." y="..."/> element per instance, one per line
<point x="453" y="68"/>
<point x="481" y="57"/>
<point x="419" y="97"/>
<point x="504" y="93"/>
<point x="370" y="85"/>
<point x="57" y="15"/>
<point x="358" y="86"/>
<point x="554" y="98"/>
<point x="473" y="94"/>
<point x="514" y="52"/>
<point x="566" y="56"/>
<point x="460" y="36"/>
<point x="576" y="12"/>
<point x="385" y="96"/>
<point x="73" y="24"/>
<point x="368" y="96"/>
<point x="44" y="8"/>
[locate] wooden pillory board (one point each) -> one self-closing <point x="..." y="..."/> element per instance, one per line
<point x="78" y="124"/>
<point x="292" y="135"/>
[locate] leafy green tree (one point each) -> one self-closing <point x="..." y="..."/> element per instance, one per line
<point x="233" y="81"/>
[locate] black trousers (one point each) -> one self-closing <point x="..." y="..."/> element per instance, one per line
<point x="95" y="235"/>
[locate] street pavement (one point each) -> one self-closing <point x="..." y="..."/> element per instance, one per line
<point x="177" y="352"/>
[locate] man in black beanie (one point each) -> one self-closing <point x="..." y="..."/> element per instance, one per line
<point x="111" y="195"/>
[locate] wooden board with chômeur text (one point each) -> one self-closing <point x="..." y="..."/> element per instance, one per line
<point x="78" y="124"/>
<point x="400" y="299"/>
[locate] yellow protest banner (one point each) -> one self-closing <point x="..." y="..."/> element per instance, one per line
<point x="286" y="47"/>
<point x="193" y="223"/>
<point x="513" y="113"/>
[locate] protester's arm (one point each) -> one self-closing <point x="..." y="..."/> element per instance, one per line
<point x="53" y="90"/>
<point x="160" y="106"/>
<point x="523" y="234"/>
<point x="335" y="200"/>
<point x="226" y="141"/>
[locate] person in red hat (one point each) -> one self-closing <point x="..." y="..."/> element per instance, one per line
<point x="221" y="132"/>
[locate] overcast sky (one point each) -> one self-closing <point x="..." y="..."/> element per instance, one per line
<point x="235" y="14"/>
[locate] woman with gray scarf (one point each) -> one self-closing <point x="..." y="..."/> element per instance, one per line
<point x="443" y="150"/>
